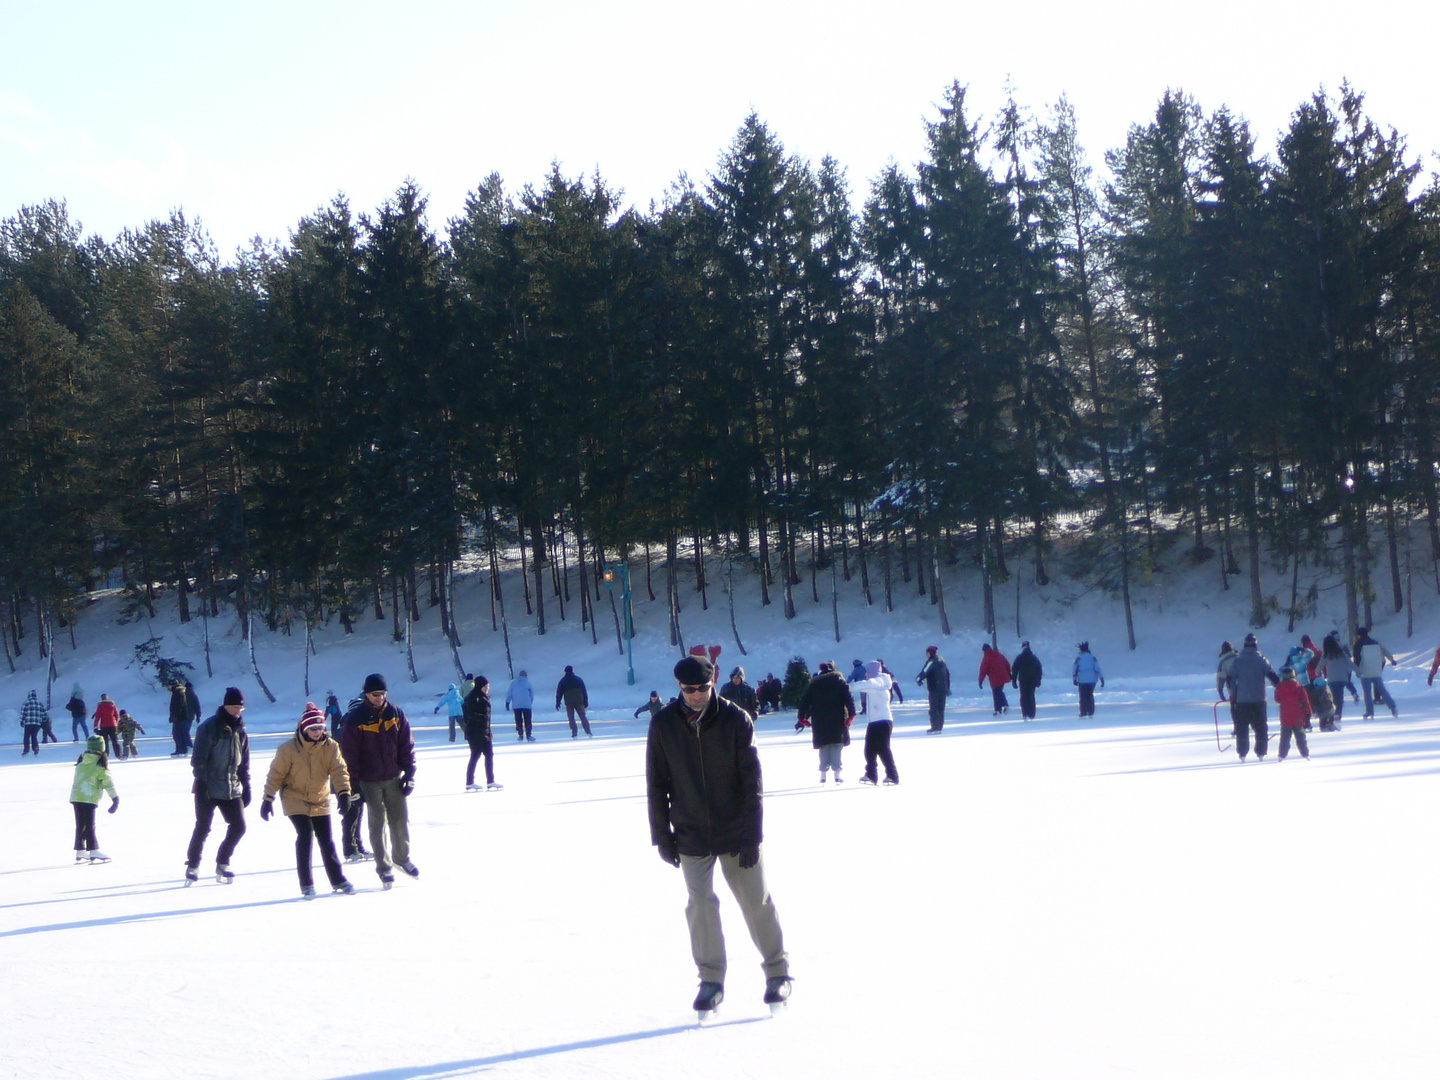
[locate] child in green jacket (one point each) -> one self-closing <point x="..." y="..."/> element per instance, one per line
<point x="92" y="776"/>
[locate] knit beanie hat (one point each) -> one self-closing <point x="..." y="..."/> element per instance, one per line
<point x="694" y="671"/>
<point x="96" y="743"/>
<point x="931" y="650"/>
<point x="375" y="682"/>
<point x="312" y="716"/>
<point x="1250" y="640"/>
<point x="234" y="696"/>
<point x="481" y="680"/>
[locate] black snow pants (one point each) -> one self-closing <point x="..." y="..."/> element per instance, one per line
<point x="318" y="828"/>
<point x="877" y="745"/>
<point x="1250" y="715"/>
<point x="233" y="813"/>
<point x="1027" y="701"/>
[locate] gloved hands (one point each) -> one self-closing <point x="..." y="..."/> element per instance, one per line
<point x="669" y="849"/>
<point x="345" y="799"/>
<point x="750" y="854"/>
<point x="245" y="795"/>
<point x="406" y="787"/>
<point x="800" y="725"/>
<point x="267" y="807"/>
<point x="114" y="804"/>
<point x="1102" y="684"/>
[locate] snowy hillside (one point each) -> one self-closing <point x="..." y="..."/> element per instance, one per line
<point x="1058" y="899"/>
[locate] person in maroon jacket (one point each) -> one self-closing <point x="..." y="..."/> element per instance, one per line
<point x="1294" y="712"/>
<point x="996" y="668"/>
<point x="379" y="751"/>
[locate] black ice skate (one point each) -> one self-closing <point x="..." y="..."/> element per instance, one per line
<point x="708" y="1000"/>
<point x="777" y="993"/>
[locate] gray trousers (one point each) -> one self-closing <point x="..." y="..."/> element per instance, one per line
<point x="830" y="757"/>
<point x="707" y="943"/>
<point x="386" y="804"/>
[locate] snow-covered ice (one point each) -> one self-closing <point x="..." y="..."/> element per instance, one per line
<point x="1059" y="899"/>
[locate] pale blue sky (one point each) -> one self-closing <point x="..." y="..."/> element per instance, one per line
<point x="250" y="115"/>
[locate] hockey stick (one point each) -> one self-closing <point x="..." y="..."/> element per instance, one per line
<point x="1227" y="746"/>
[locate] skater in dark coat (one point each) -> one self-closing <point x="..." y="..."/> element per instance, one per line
<point x="768" y="692"/>
<point x="996" y="668"/>
<point x="653" y="706"/>
<point x="76" y="708"/>
<point x="479" y="735"/>
<point x="1025" y="673"/>
<point x="827" y="708"/>
<point x="894" y="683"/>
<point x="1247" y="689"/>
<point x="703" y="784"/>
<point x="740" y="692"/>
<point x="935" y="677"/>
<point x="571" y="690"/>
<point x="857" y="674"/>
<point x="32" y="719"/>
<point x="379" y="751"/>
<point x="334" y="715"/>
<point x="179" y="719"/>
<point x="221" y="764"/>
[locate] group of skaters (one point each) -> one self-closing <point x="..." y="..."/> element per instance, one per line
<point x="1310" y="686"/>
<point x="114" y="727"/>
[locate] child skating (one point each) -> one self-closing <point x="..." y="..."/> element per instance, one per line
<point x="92" y="777"/>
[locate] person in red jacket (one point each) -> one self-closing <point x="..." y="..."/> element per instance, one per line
<point x="996" y="668"/>
<point x="107" y="725"/>
<point x="1294" y="713"/>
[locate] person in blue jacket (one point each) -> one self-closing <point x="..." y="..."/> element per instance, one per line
<point x="1085" y="674"/>
<point x="521" y="699"/>
<point x="452" y="700"/>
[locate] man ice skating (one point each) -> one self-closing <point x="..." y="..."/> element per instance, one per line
<point x="1026" y="673"/>
<point x="479" y="735"/>
<point x="32" y="719"/>
<point x="1084" y="674"/>
<point x="935" y="677"/>
<point x="520" y="699"/>
<point x="454" y="703"/>
<point x="379" y="751"/>
<point x="1370" y="656"/>
<point x="741" y="692"/>
<point x="881" y="726"/>
<point x="996" y="668"/>
<point x="221" y="764"/>
<point x="179" y="719"/>
<point x="703" y="783"/>
<point x="571" y="690"/>
<point x="1247" y="690"/>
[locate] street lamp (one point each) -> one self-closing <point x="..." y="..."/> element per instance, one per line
<point x="623" y="569"/>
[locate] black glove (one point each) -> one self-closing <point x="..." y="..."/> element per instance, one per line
<point x="669" y="849"/>
<point x="1102" y="684"/>
<point x="345" y="799"/>
<point x="115" y="804"/>
<point x="267" y="807"/>
<point x="749" y="856"/>
<point x="406" y="787"/>
<point x="799" y="726"/>
<point x="245" y="795"/>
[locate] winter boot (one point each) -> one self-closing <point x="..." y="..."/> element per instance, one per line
<point x="223" y="874"/>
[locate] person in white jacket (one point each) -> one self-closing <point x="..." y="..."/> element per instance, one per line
<point x="882" y="723"/>
<point x="1370" y="657"/>
<point x="521" y="699"/>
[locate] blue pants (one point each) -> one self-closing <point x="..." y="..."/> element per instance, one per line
<point x="1376" y="686"/>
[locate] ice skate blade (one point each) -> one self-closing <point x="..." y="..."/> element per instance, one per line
<point x="705" y="1016"/>
<point x="777" y="1007"/>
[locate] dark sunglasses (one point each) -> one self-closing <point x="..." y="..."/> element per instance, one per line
<point x="695" y="689"/>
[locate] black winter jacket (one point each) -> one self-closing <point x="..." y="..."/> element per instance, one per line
<point x="571" y="690"/>
<point x="179" y="707"/>
<point x="702" y="778"/>
<point x="477" y="717"/>
<point x="1026" y="670"/>
<point x="935" y="676"/>
<point x="742" y="695"/>
<point x="221" y="758"/>
<point x="828" y="704"/>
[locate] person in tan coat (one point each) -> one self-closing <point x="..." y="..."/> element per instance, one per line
<point x="305" y="770"/>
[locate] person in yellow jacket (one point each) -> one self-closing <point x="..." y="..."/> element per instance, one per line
<point x="92" y="776"/>
<point x="305" y="770"/>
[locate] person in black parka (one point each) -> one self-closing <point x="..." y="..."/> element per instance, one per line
<point x="703" y="785"/>
<point x="741" y="692"/>
<point x="1025" y="673"/>
<point x="827" y="708"/>
<point x="476" y="722"/>
<point x="935" y="677"/>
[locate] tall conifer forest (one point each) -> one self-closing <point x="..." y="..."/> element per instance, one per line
<point x="997" y="359"/>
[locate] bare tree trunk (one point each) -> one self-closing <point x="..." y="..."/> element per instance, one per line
<point x="938" y="589"/>
<point x="730" y="588"/>
<point x="255" y="664"/>
<point x="835" y="600"/>
<point x="539" y="561"/>
<point x="885" y="561"/>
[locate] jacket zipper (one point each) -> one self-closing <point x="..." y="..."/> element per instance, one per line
<point x="704" y="787"/>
